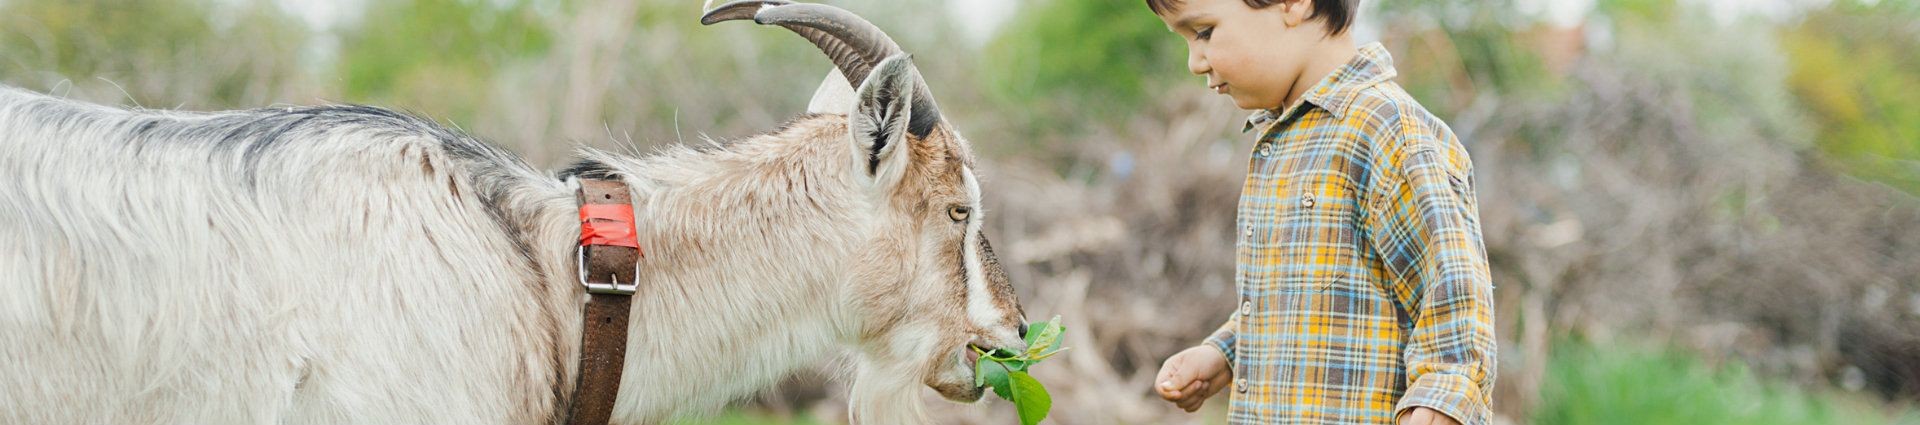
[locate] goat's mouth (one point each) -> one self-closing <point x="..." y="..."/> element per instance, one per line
<point x="956" y="383"/>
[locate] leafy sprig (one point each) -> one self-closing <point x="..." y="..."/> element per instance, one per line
<point x="1006" y="371"/>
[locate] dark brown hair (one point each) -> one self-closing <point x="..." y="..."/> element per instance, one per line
<point x="1338" y="13"/>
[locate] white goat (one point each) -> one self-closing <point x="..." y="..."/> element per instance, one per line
<point x="346" y="264"/>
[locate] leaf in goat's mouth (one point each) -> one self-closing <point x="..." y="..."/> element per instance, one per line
<point x="1006" y="371"/>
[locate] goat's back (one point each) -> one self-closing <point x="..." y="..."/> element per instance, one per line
<point x="297" y="265"/>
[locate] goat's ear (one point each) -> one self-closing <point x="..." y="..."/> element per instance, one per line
<point x="834" y="96"/>
<point x="878" y="124"/>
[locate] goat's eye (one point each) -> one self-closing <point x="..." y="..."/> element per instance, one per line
<point x="959" y="213"/>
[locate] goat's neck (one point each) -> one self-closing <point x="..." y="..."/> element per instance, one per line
<point x="706" y="333"/>
<point x="740" y="285"/>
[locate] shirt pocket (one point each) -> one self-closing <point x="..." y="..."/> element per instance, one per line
<point x="1309" y="237"/>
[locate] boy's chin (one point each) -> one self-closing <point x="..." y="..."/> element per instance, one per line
<point x="1248" y="103"/>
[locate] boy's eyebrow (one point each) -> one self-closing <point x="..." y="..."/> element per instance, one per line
<point x="1186" y="20"/>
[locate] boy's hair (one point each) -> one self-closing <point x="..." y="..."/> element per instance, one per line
<point x="1339" y="13"/>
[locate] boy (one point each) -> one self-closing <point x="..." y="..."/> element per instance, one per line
<point x="1363" y="283"/>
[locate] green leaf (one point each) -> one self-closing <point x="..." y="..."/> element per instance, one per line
<point x="1043" y="356"/>
<point x="1006" y="371"/>
<point x="1030" y="398"/>
<point x="980" y="371"/>
<point x="1044" y="336"/>
<point x="988" y="373"/>
<point x="1001" y="355"/>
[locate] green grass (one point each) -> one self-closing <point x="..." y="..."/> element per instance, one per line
<point x="1630" y="385"/>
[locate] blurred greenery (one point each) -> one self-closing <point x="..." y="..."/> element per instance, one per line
<point x="1465" y="48"/>
<point x="1594" y="384"/>
<point x="1071" y="62"/>
<point x="1638" y="10"/>
<point x="69" y="36"/>
<point x="1856" y="72"/>
<point x="156" y="52"/>
<point x="436" y="52"/>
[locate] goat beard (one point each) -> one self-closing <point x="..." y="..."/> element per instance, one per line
<point x="886" y="393"/>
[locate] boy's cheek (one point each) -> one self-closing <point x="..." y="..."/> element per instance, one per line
<point x="1248" y="83"/>
<point x="1251" y="91"/>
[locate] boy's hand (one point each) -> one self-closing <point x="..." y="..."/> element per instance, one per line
<point x="1425" y="416"/>
<point x="1188" y="378"/>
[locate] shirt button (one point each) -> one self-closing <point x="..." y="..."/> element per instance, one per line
<point x="1240" y="385"/>
<point x="1306" y="200"/>
<point x="1265" y="150"/>
<point x="1246" y="308"/>
<point x="1249" y="232"/>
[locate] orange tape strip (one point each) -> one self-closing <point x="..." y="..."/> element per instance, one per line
<point x="606" y="224"/>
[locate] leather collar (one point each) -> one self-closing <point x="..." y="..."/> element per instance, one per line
<point x="609" y="260"/>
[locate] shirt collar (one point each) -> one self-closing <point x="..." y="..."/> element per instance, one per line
<point x="1373" y="65"/>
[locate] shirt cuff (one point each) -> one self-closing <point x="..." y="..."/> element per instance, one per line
<point x="1450" y="394"/>
<point x="1223" y="340"/>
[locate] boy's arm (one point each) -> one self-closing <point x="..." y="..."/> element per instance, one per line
<point x="1224" y="337"/>
<point x="1424" y="224"/>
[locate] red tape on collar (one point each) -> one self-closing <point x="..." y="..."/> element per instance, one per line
<point x="608" y="224"/>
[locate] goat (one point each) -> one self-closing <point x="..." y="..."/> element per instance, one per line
<point x="350" y="264"/>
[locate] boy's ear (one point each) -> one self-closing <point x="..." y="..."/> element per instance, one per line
<point x="1295" y="12"/>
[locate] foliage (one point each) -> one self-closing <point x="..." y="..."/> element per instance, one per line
<point x="437" y="54"/>
<point x="159" y="52"/>
<point x="1855" y="72"/>
<point x="1461" y="50"/>
<point x="1071" y="61"/>
<point x="1624" y="384"/>
<point x="1639" y="10"/>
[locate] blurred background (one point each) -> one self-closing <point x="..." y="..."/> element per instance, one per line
<point x="1697" y="211"/>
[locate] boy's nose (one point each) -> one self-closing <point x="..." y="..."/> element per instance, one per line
<point x="1197" y="62"/>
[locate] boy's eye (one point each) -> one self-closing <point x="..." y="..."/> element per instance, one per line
<point x="1204" y="34"/>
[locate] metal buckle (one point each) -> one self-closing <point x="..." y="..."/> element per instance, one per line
<point x="615" y="288"/>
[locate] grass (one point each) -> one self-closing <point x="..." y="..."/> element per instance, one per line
<point x="1630" y="385"/>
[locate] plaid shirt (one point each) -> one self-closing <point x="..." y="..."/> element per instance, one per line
<point x="1362" y="278"/>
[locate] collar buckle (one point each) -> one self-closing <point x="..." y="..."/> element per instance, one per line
<point x="612" y="286"/>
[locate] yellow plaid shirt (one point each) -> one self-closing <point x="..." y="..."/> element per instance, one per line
<point x="1363" y="281"/>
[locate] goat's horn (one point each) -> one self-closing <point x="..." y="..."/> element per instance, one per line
<point x="853" y="44"/>
<point x="843" y="56"/>
<point x="737" y="10"/>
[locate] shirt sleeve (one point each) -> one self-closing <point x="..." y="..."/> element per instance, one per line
<point x="1425" y="227"/>
<point x="1224" y="337"/>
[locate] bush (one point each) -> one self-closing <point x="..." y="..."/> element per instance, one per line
<point x="1625" y="384"/>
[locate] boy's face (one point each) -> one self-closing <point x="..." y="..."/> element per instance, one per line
<point x="1252" y="55"/>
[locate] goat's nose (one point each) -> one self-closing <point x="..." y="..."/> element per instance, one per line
<point x="1023" y="330"/>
